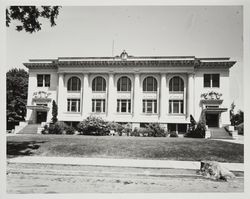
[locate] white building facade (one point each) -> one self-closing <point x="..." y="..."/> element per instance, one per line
<point x="128" y="89"/>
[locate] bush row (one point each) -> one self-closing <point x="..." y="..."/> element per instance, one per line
<point x="99" y="127"/>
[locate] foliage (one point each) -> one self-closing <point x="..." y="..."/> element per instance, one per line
<point x="135" y="132"/>
<point x="237" y="118"/>
<point x="197" y="131"/>
<point x="54" y="112"/>
<point x="240" y="129"/>
<point x="17" y="89"/>
<point x="156" y="130"/>
<point x="69" y="130"/>
<point x="93" y="126"/>
<point x="29" y="17"/>
<point x="57" y="128"/>
<point x="193" y="123"/>
<point x="173" y="134"/>
<point x="151" y="130"/>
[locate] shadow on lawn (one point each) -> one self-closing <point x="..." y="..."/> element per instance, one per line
<point x="25" y="148"/>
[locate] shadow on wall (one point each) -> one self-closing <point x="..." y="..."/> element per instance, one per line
<point x="22" y="148"/>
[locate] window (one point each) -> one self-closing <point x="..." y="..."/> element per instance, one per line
<point x="176" y="84"/>
<point x="43" y="80"/>
<point x="99" y="84"/>
<point x="74" y="84"/>
<point x="124" y="84"/>
<point x="149" y="106"/>
<point x="123" y="106"/>
<point x="176" y="106"/>
<point x="98" y="105"/>
<point x="150" y="84"/>
<point x="211" y="80"/>
<point x="73" y="105"/>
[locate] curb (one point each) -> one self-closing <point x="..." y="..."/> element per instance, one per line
<point x="120" y="162"/>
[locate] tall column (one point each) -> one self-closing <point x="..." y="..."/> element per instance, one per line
<point x="86" y="102"/>
<point x="137" y="109"/>
<point x="163" y="97"/>
<point x="190" y="95"/>
<point x="111" y="97"/>
<point x="61" y="101"/>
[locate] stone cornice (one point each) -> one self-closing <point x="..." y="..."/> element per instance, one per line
<point x="181" y="61"/>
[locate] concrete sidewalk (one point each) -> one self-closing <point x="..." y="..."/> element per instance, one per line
<point x="120" y="162"/>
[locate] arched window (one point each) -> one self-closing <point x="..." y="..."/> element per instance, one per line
<point x="74" y="84"/>
<point x="99" y="84"/>
<point x="176" y="84"/>
<point x="124" y="84"/>
<point x="149" y="84"/>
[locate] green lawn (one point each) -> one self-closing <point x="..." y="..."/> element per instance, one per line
<point x="124" y="147"/>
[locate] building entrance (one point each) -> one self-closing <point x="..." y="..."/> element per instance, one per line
<point x="41" y="116"/>
<point x="212" y="119"/>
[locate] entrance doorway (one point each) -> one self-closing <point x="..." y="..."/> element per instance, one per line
<point x="41" y="116"/>
<point x="212" y="119"/>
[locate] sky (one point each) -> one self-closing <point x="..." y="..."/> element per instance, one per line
<point x="201" y="31"/>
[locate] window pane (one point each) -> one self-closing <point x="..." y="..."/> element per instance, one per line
<point x="149" y="84"/>
<point x="144" y="106"/>
<point x="78" y="104"/>
<point x="73" y="105"/>
<point x="94" y="85"/>
<point x="216" y="80"/>
<point x="176" y="107"/>
<point x="103" y="105"/>
<point x="155" y="106"/>
<point x="74" y="84"/>
<point x="47" y="80"/>
<point x="118" y="106"/>
<point x="129" y="106"/>
<point x="39" y="80"/>
<point x="68" y="105"/>
<point x="149" y="106"/>
<point x="155" y="85"/>
<point x="181" y="84"/>
<point x="98" y="106"/>
<point x="176" y="83"/>
<point x="124" y="106"/>
<point x="124" y="84"/>
<point x="182" y="106"/>
<point x="170" y="106"/>
<point x="206" y="80"/>
<point x="93" y="105"/>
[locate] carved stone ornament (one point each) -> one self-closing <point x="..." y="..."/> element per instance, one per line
<point x="41" y="95"/>
<point x="211" y="95"/>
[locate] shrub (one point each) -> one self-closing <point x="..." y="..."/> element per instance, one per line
<point x="69" y="130"/>
<point x="145" y="132"/>
<point x="156" y="130"/>
<point x="173" y="134"/>
<point x="45" y="129"/>
<point x="240" y="129"/>
<point x="127" y="129"/>
<point x="135" y="132"/>
<point x="94" y="126"/>
<point x="57" y="128"/>
<point x="199" y="131"/>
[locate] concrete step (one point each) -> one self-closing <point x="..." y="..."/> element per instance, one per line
<point x="30" y="129"/>
<point x="219" y="133"/>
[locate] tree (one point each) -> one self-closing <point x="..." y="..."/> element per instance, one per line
<point x="54" y="112"/>
<point x="17" y="90"/>
<point x="29" y="16"/>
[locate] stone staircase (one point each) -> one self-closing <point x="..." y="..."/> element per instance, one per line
<point x="30" y="129"/>
<point x="219" y="133"/>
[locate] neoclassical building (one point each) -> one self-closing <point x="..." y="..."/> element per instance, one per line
<point x="129" y="89"/>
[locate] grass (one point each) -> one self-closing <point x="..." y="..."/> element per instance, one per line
<point x="125" y="147"/>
